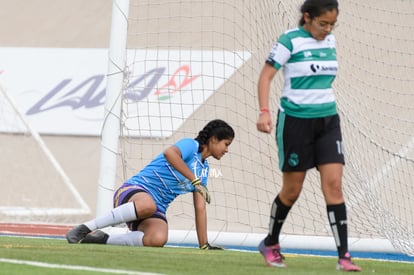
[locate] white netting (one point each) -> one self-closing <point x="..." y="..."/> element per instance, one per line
<point x="193" y="61"/>
<point x="34" y="186"/>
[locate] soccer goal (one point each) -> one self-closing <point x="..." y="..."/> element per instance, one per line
<point x="34" y="186"/>
<point x="187" y="62"/>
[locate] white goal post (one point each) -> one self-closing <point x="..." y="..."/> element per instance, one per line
<point x="175" y="65"/>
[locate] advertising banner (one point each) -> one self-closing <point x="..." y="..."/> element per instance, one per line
<point x="62" y="90"/>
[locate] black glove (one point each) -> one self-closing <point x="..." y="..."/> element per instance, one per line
<point x="208" y="246"/>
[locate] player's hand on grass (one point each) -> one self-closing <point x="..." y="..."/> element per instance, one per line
<point x="208" y="246"/>
<point x="201" y="189"/>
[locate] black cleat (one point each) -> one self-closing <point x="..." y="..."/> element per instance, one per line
<point x="77" y="233"/>
<point x="97" y="236"/>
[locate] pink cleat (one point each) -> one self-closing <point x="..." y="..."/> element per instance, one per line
<point x="272" y="255"/>
<point x="346" y="265"/>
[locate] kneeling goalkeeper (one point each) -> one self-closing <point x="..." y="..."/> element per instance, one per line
<point x="141" y="202"/>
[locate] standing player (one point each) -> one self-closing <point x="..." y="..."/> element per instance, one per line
<point x="142" y="201"/>
<point x="308" y="132"/>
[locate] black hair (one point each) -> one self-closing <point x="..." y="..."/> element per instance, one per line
<point x="215" y="128"/>
<point x="317" y="7"/>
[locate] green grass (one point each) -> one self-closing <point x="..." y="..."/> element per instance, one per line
<point x="167" y="260"/>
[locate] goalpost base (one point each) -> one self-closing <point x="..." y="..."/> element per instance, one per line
<point x="297" y="242"/>
<point x="247" y="241"/>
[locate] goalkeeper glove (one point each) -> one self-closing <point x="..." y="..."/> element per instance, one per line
<point x="208" y="246"/>
<point x="201" y="189"/>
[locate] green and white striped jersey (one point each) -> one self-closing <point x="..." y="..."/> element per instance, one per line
<point x="309" y="67"/>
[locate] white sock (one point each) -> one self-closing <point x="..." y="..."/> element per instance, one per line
<point x="120" y="214"/>
<point x="133" y="238"/>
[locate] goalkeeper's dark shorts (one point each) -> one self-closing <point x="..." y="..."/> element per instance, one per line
<point x="124" y="193"/>
<point x="305" y="143"/>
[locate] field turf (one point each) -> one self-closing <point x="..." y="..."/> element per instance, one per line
<point x="44" y="256"/>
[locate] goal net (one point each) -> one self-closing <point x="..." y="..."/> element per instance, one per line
<point x="192" y="61"/>
<point x="34" y="186"/>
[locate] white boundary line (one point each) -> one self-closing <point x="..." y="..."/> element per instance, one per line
<point x="18" y="211"/>
<point x="75" y="267"/>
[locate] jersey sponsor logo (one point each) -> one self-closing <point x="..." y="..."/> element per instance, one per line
<point x="307" y="54"/>
<point x="318" y="68"/>
<point x="206" y="172"/>
<point x="314" y="68"/>
<point x="198" y="171"/>
<point x="215" y="173"/>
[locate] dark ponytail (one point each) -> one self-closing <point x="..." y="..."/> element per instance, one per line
<point x="317" y="7"/>
<point x="215" y="128"/>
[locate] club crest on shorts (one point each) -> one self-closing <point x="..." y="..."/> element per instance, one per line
<point x="293" y="159"/>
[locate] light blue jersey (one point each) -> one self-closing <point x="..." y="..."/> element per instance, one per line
<point x="163" y="182"/>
